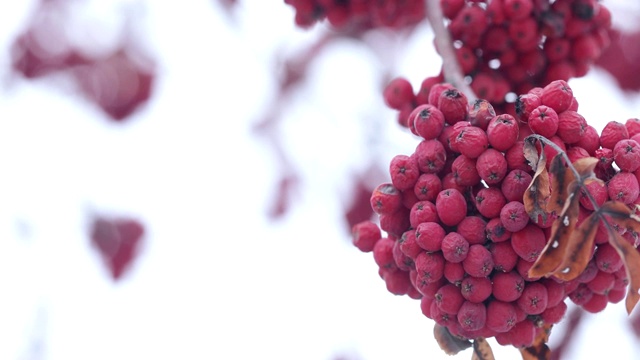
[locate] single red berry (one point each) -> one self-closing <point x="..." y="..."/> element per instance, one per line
<point x="543" y="120"/>
<point x="386" y="199"/>
<point x="365" y="235"/>
<point x="404" y="171"/>
<point x="430" y="266"/>
<point x="491" y="166"/>
<point x="397" y="282"/>
<point x="449" y="299"/>
<point x="478" y="262"/>
<point x="557" y="49"/>
<point x="454" y="247"/>
<point x="496" y="231"/>
<point x="425" y="306"/>
<point x="501" y="316"/>
<point x="616" y="295"/>
<point x="428" y="121"/>
<point x="436" y="91"/>
<point x="557" y="95"/>
<point x="514" y="216"/>
<point x="396" y="223"/>
<point x="403" y="262"/>
<point x="533" y="299"/>
<point x="613" y="132"/>
<point x="397" y="93"/>
<point x="423" y="211"/>
<point x="472" y="316"/>
<point x="607" y="258"/>
<point x="472" y="228"/>
<point x="471" y="141"/>
<point x="454" y="106"/>
<point x="575" y="153"/>
<point x="427" y="289"/>
<point x="422" y="97"/>
<point x="451" y="207"/>
<point x="571" y="126"/>
<point x="525" y="104"/>
<point x="515" y="157"/>
<point x="489" y="202"/>
<point x="581" y="295"/>
<point x="528" y="242"/>
<point x="598" y="191"/>
<point x="502" y="132"/>
<point x="464" y="171"/>
<point x="626" y="154"/>
<point x="429" y="236"/>
<point x="555" y="291"/>
<point x="431" y="156"/>
<point x="504" y="257"/>
<point x="383" y="253"/>
<point x="454" y="272"/>
<point x="427" y="187"/>
<point x="633" y="126"/>
<point x="590" y="141"/>
<point x="507" y="286"/>
<point x="515" y="184"/>
<point x="523" y="334"/>
<point x="480" y="113"/>
<point x="475" y="289"/>
<point x="624" y="187"/>
<point x="601" y="283"/>
<point x="553" y="314"/>
<point x="522" y="267"/>
<point x="408" y="244"/>
<point x="596" y="304"/>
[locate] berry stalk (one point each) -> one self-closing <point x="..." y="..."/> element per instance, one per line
<point x="450" y="66"/>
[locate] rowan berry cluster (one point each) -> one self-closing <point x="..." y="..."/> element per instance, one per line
<point x="457" y="234"/>
<point x="358" y="14"/>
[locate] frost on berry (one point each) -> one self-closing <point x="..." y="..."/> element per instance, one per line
<point x="386" y="199"/>
<point x="492" y="166"/>
<point x="502" y="132"/>
<point x="454" y="247"/>
<point x="478" y="262"/>
<point x="451" y="207"/>
<point x="365" y="235"/>
<point x="533" y="299"/>
<point x="431" y="156"/>
<point x="613" y="132"/>
<point x="473" y="228"/>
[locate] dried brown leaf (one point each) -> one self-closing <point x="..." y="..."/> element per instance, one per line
<point x="579" y="249"/>
<point x="450" y="344"/>
<point x="482" y="350"/>
<point x="537" y="194"/>
<point x="562" y="176"/>
<point x="585" y="167"/>
<point x="622" y="214"/>
<point x="554" y="253"/>
<point x="539" y="349"/>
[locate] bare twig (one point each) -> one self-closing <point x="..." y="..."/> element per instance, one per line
<point x="450" y="66"/>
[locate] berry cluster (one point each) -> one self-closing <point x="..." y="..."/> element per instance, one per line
<point x="457" y="233"/>
<point x="358" y="14"/>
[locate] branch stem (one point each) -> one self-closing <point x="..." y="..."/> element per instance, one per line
<point x="450" y="66"/>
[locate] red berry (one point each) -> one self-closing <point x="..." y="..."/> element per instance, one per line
<point x="607" y="258"/>
<point x="581" y="295"/>
<point x="533" y="300"/>
<point x="454" y="247"/>
<point x="464" y="171"/>
<point x="449" y="299"/>
<point x="429" y="236"/>
<point x="555" y="291"/>
<point x="590" y="141"/>
<point x="423" y="211"/>
<point x="404" y="171"/>
<point x="430" y="266"/>
<point x="478" y="262"/>
<point x="601" y="283"/>
<point x="513" y="216"/>
<point x="454" y="272"/>
<point x="596" y="304"/>
<point x="553" y="315"/>
<point x="515" y="184"/>
<point x="496" y="231"/>
<point x="454" y="106"/>
<point x="502" y="132"/>
<point x="491" y="166"/>
<point x="507" y="286"/>
<point x="396" y="223"/>
<point x="475" y="289"/>
<point x="523" y="334"/>
<point x="515" y="157"/>
<point x="398" y="93"/>
<point x="626" y="154"/>
<point x="386" y="199"/>
<point x="472" y="316"/>
<point x="528" y="242"/>
<point x="501" y="316"/>
<point x="365" y="235"/>
<point x="489" y="202"/>
<point x="383" y="253"/>
<point x="408" y="245"/>
<point x="504" y="257"/>
<point x="431" y="156"/>
<point x="571" y="126"/>
<point x="427" y="187"/>
<point x="471" y="141"/>
<point x="633" y="126"/>
<point x="451" y="207"/>
<point x="428" y="121"/>
<point x="472" y="228"/>
<point x="557" y="95"/>
<point x="544" y="120"/>
<point x="397" y="282"/>
<point x="480" y="113"/>
<point x="624" y="187"/>
<point x="613" y="132"/>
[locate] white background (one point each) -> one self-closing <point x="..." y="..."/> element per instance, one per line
<point x="216" y="278"/>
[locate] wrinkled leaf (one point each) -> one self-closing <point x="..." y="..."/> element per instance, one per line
<point x="536" y="195"/>
<point x="554" y="253"/>
<point x="539" y="349"/>
<point x="585" y="167"/>
<point x="482" y="350"/>
<point x="562" y="177"/>
<point x="450" y="344"/>
<point x="579" y="249"/>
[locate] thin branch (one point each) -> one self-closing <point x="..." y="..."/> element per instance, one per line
<point x="450" y="66"/>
